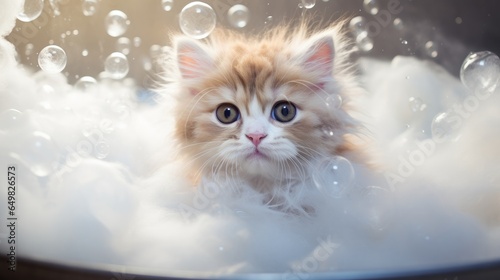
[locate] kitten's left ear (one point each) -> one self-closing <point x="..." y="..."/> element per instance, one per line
<point x="193" y="58"/>
<point x="318" y="57"/>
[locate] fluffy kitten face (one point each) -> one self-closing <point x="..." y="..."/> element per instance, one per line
<point x="256" y="108"/>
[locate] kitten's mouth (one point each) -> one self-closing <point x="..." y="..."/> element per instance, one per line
<point x="256" y="154"/>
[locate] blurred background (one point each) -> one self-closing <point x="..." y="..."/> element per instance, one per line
<point x="444" y="31"/>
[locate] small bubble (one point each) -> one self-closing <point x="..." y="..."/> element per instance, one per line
<point x="481" y="71"/>
<point x="85" y="52"/>
<point x="32" y="9"/>
<point x="197" y="20"/>
<point x="334" y="176"/>
<point x="238" y="16"/>
<point x="371" y="6"/>
<point x="431" y="49"/>
<point x="167" y="5"/>
<point x="334" y="101"/>
<point x="154" y="51"/>
<point x="117" y="23"/>
<point x="116" y="65"/>
<point x="85" y="83"/>
<point x="444" y="127"/>
<point x="137" y="41"/>
<point x="269" y="20"/>
<point x="123" y="45"/>
<point x="12" y="119"/>
<point x="28" y="49"/>
<point x="416" y="104"/>
<point x="398" y="24"/>
<point x="38" y="153"/>
<point x="404" y="42"/>
<point x="458" y="20"/>
<point x="309" y="4"/>
<point x="89" y="7"/>
<point x="52" y="59"/>
<point x="221" y="248"/>
<point x="357" y="25"/>
<point x="364" y="42"/>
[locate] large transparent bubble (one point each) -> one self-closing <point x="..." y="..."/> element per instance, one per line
<point x="197" y="20"/>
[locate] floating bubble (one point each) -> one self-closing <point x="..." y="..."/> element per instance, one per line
<point x="52" y="59"/>
<point x="481" y="71"/>
<point x="101" y="150"/>
<point x="404" y="42"/>
<point x="364" y="42"/>
<point x="238" y="16"/>
<point x="28" y="50"/>
<point x="416" y="104"/>
<point x="137" y="41"/>
<point x="11" y="119"/>
<point x="89" y="7"/>
<point x="197" y="20"/>
<point x="357" y="25"/>
<point x="38" y="153"/>
<point x="85" y="82"/>
<point x="398" y="24"/>
<point x="116" y="23"/>
<point x="269" y="20"/>
<point x="371" y="6"/>
<point x="32" y="9"/>
<point x="308" y="4"/>
<point x="116" y="65"/>
<point x="431" y="49"/>
<point x="327" y="130"/>
<point x="123" y="45"/>
<point x="167" y="5"/>
<point x="85" y="52"/>
<point x="334" y="101"/>
<point x="334" y="176"/>
<point x="445" y="127"/>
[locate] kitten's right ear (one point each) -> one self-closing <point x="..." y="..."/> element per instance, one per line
<point x="193" y="60"/>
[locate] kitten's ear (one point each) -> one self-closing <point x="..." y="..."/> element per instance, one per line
<point x="318" y="57"/>
<point x="193" y="59"/>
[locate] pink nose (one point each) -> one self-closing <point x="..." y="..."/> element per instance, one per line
<point x="256" y="137"/>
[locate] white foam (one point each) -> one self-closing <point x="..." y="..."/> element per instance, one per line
<point x="132" y="207"/>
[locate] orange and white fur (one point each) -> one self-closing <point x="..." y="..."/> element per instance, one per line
<point x="252" y="110"/>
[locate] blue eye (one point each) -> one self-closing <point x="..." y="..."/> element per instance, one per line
<point x="283" y="111"/>
<point x="227" y="113"/>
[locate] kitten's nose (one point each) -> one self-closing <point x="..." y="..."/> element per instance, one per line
<point x="256" y="137"/>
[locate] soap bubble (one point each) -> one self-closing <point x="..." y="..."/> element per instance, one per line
<point x="398" y="24"/>
<point x="269" y="20"/>
<point x="445" y="127"/>
<point x="238" y="16"/>
<point x="431" y="49"/>
<point x="416" y="104"/>
<point x="357" y="25"/>
<point x="308" y="4"/>
<point x="116" y="23"/>
<point x="52" y="59"/>
<point x="38" y="153"/>
<point x="481" y="71"/>
<point x="137" y="41"/>
<point x="197" y="20"/>
<point x="89" y="7"/>
<point x="371" y="6"/>
<point x="334" y="176"/>
<point x="116" y="65"/>
<point x="32" y="10"/>
<point x="85" y="82"/>
<point x="123" y="45"/>
<point x="11" y="119"/>
<point x="334" y="101"/>
<point x="167" y="5"/>
<point x="364" y="42"/>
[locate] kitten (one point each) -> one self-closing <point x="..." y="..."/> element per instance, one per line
<point x="253" y="109"/>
